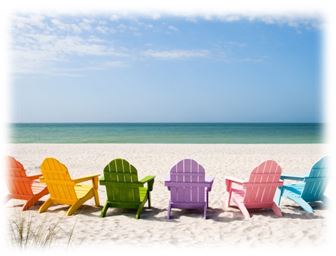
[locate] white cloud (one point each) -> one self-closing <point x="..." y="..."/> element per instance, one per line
<point x="295" y="21"/>
<point x="64" y="45"/>
<point x="78" y="71"/>
<point x="27" y="22"/>
<point x="85" y="25"/>
<point x="176" y="54"/>
<point x="62" y="26"/>
<point x="102" y="29"/>
<point x="40" y="44"/>
<point x="231" y="18"/>
<point x="170" y="27"/>
<point x="114" y="17"/>
<point x="48" y="51"/>
<point x="57" y="24"/>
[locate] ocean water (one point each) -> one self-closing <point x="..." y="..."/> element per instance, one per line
<point x="248" y="133"/>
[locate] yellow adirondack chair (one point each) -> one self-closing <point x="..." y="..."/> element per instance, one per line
<point x="63" y="189"/>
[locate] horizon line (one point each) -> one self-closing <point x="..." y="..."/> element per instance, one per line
<point x="166" y="122"/>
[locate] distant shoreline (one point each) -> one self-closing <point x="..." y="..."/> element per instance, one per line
<point x="154" y="123"/>
<point x="168" y="133"/>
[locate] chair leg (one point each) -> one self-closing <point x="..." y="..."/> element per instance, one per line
<point x="96" y="197"/>
<point x="302" y="203"/>
<point x="243" y="209"/>
<point x="29" y="203"/>
<point x="276" y="210"/>
<point x="207" y="199"/>
<point x="45" y="205"/>
<point x="169" y="211"/>
<point x="34" y="199"/>
<point x="137" y="216"/>
<point x="229" y="201"/>
<point x="205" y="211"/>
<point x="81" y="201"/>
<point x="149" y="200"/>
<point x="104" y="210"/>
<point x="74" y="207"/>
<point x="278" y="196"/>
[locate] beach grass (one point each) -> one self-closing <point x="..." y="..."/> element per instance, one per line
<point x="27" y="233"/>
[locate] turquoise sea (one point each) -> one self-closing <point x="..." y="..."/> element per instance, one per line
<point x="166" y="133"/>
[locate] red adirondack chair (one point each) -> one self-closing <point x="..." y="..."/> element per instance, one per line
<point x="259" y="191"/>
<point x="21" y="186"/>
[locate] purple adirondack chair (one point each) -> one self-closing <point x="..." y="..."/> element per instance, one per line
<point x="188" y="187"/>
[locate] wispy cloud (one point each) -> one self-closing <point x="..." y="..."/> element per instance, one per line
<point x="74" y="71"/>
<point x="176" y="54"/>
<point x="173" y="28"/>
<point x="295" y="21"/>
<point x="34" y="51"/>
<point x="41" y="43"/>
<point x="57" y="24"/>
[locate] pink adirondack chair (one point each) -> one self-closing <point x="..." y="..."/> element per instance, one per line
<point x="259" y="191"/>
<point x="188" y="187"/>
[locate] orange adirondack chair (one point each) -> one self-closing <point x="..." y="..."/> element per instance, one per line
<point x="63" y="189"/>
<point x="21" y="186"/>
<point x="259" y="191"/>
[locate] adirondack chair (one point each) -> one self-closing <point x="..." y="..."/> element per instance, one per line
<point x="307" y="189"/>
<point x="258" y="192"/>
<point x="21" y="186"/>
<point x="189" y="189"/>
<point x="63" y="189"/>
<point x="123" y="188"/>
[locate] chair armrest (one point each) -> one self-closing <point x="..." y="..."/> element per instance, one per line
<point x="147" y="179"/>
<point x="94" y="179"/>
<point x="86" y="178"/>
<point x="34" y="177"/>
<point x="230" y="180"/>
<point x="166" y="181"/>
<point x="234" y="180"/>
<point x="286" y="177"/>
<point x="210" y="180"/>
<point x="150" y="182"/>
<point x="102" y="180"/>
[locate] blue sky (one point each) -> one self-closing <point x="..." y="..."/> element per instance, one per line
<point x="110" y="68"/>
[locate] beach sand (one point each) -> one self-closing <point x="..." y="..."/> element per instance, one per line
<point x="224" y="226"/>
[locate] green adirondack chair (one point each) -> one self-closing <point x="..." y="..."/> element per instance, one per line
<point x="123" y="188"/>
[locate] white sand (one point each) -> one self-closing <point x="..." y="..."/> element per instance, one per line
<point x="223" y="226"/>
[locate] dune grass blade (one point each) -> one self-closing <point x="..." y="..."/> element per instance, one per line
<point x="71" y="233"/>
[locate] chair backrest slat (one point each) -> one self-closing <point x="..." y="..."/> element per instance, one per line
<point x="263" y="182"/>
